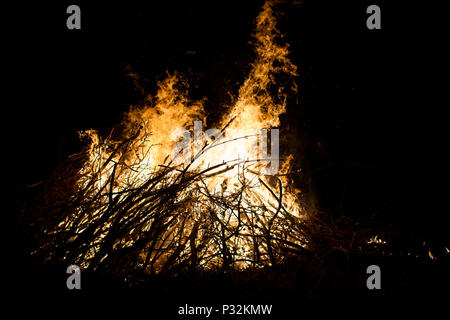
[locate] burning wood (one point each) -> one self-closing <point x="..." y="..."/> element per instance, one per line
<point x="144" y="204"/>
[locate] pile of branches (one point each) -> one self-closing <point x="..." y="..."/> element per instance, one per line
<point x="169" y="223"/>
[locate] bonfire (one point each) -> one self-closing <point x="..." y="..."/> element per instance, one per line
<point x="167" y="197"/>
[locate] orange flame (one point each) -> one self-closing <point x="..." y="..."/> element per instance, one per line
<point x="228" y="163"/>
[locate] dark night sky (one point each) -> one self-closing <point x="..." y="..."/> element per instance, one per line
<point x="366" y="97"/>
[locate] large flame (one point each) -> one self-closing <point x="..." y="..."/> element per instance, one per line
<point x="218" y="208"/>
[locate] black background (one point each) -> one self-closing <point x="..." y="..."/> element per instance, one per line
<point x="367" y="127"/>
